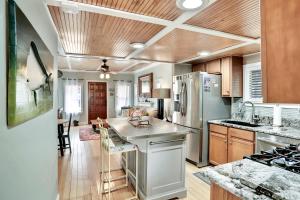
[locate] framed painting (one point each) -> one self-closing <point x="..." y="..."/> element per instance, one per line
<point x="29" y="70"/>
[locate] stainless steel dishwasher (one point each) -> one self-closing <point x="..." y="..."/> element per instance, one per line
<point x="266" y="141"/>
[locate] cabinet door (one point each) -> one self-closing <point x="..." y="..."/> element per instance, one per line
<point x="217" y="193"/>
<point x="232" y="196"/>
<point x="226" y="76"/>
<point x="217" y="148"/>
<point x="280" y="50"/>
<point x="199" y="67"/>
<point x="213" y="67"/>
<point x="238" y="148"/>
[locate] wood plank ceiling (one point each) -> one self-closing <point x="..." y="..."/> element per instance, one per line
<point x="95" y="34"/>
<point x="181" y="44"/>
<point x="164" y="9"/>
<point x="240" y="17"/>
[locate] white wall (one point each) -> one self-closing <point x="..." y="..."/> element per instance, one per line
<point x="93" y="76"/>
<point x="28" y="152"/>
<point x="162" y="72"/>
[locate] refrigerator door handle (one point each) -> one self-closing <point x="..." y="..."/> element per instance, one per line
<point x="181" y="99"/>
<point x="184" y="101"/>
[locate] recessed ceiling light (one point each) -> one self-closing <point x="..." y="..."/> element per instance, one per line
<point x="137" y="45"/>
<point x="189" y="4"/>
<point x="203" y="53"/>
<point x="69" y="8"/>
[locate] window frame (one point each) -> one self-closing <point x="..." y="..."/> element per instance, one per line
<point x="246" y="87"/>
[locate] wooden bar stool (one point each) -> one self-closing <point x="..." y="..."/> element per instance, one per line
<point x="111" y="144"/>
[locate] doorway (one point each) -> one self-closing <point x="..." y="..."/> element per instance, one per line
<point x="97" y="100"/>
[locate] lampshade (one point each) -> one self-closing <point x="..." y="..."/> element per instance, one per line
<point x="162" y="93"/>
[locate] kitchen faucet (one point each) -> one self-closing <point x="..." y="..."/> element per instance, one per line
<point x="254" y="118"/>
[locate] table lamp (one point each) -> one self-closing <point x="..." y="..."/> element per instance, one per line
<point x="161" y="94"/>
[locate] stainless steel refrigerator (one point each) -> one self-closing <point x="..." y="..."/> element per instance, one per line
<point x="196" y="99"/>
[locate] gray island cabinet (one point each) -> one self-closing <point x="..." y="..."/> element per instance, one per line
<point x="161" y="157"/>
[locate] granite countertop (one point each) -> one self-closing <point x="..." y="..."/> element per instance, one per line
<point x="242" y="177"/>
<point x="288" y="132"/>
<point x="158" y="128"/>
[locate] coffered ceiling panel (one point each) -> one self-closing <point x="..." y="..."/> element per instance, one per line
<point x="165" y="9"/>
<point x="96" y="34"/>
<point x="181" y="44"/>
<point x="240" y="17"/>
<point x="91" y="64"/>
<point x="249" y="49"/>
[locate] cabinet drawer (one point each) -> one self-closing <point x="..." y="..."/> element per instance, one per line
<point x="218" y="129"/>
<point x="242" y="134"/>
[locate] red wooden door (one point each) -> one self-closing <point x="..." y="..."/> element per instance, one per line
<point x="97" y="100"/>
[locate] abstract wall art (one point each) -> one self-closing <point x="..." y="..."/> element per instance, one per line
<point x="29" y="70"/>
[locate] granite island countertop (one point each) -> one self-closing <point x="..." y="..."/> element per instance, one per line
<point x="158" y="128"/>
<point x="288" y="132"/>
<point x="242" y="177"/>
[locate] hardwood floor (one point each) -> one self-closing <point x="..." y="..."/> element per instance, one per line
<point x="79" y="178"/>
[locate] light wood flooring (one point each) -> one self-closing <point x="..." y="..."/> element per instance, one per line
<point x="79" y="178"/>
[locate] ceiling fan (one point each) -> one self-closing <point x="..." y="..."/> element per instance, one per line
<point x="104" y="68"/>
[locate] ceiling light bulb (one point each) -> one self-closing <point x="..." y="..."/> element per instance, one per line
<point x="137" y="45"/>
<point x="101" y="76"/>
<point x="107" y="76"/>
<point x="203" y="53"/>
<point x="189" y="4"/>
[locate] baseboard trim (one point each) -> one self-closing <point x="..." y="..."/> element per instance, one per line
<point x="57" y="197"/>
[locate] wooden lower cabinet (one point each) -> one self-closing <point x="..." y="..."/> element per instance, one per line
<point x="218" y="193"/>
<point x="238" y="148"/>
<point x="229" y="144"/>
<point x="218" y="148"/>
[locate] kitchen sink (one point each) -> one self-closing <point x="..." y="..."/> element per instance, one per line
<point x="240" y="123"/>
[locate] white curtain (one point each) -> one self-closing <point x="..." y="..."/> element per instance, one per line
<point x="73" y="96"/>
<point x="122" y="95"/>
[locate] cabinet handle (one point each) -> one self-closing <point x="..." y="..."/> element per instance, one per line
<point x="225" y="141"/>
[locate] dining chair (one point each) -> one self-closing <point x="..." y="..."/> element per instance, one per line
<point x="66" y="135"/>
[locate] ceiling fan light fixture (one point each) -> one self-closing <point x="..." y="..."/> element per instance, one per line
<point x="101" y="76"/>
<point x="189" y="4"/>
<point x="107" y="76"/>
<point x="137" y="45"/>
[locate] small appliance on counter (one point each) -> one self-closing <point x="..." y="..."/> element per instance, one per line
<point x="197" y="99"/>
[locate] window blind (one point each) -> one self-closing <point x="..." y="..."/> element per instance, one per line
<point x="255" y="84"/>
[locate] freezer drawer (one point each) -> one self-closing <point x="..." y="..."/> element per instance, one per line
<point x="194" y="145"/>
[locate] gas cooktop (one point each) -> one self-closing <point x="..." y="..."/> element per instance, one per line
<point x="287" y="158"/>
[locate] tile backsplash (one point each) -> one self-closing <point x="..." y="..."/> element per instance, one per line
<point x="289" y="116"/>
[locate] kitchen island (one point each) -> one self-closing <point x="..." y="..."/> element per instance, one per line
<point x="161" y="157"/>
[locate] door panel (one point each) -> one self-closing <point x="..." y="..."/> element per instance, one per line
<point x="217" y="148"/>
<point x="97" y="102"/>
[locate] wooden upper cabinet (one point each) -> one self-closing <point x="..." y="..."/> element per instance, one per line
<point x="213" y="67"/>
<point x="199" y="67"/>
<point x="232" y="76"/>
<point x="280" y="50"/>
